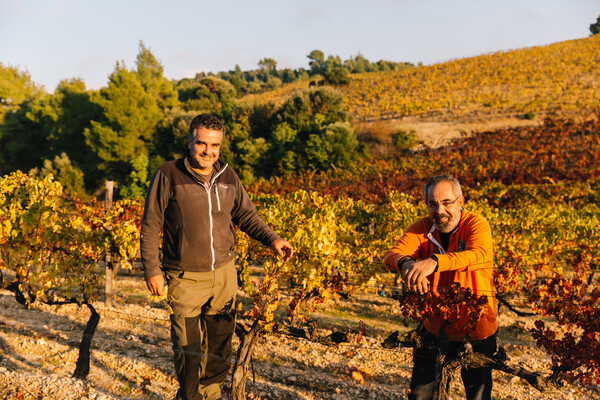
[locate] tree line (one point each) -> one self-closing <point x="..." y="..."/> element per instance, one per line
<point x="125" y="130"/>
<point x="330" y="70"/>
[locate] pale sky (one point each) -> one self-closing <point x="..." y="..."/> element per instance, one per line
<point x="60" y="39"/>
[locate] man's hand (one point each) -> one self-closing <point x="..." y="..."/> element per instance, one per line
<point x="283" y="248"/>
<point x="415" y="274"/>
<point x="156" y="284"/>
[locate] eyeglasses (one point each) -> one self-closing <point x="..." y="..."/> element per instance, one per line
<point x="445" y="203"/>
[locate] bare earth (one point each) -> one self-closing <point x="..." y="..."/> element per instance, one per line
<point x="437" y="130"/>
<point x="436" y="134"/>
<point x="131" y="354"/>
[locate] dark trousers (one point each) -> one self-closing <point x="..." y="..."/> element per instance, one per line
<point x="477" y="381"/>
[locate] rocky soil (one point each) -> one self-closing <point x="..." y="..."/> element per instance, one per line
<point x="131" y="354"/>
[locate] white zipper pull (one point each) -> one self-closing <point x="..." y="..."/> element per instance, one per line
<point x="218" y="200"/>
<point x="430" y="236"/>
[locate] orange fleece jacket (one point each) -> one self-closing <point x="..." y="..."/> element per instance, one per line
<point x="469" y="261"/>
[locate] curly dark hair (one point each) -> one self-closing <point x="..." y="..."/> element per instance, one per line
<point x="207" y="121"/>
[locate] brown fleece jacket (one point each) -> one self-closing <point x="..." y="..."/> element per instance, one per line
<point x="197" y="219"/>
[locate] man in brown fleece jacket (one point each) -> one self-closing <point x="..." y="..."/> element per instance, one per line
<point x="196" y="201"/>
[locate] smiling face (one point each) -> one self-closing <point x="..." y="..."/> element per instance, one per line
<point x="444" y="206"/>
<point x="204" y="149"/>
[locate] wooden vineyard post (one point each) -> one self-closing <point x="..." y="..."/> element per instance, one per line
<point x="109" y="270"/>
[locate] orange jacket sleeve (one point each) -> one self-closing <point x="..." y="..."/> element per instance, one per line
<point x="408" y="245"/>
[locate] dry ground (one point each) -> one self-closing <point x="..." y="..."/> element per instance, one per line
<point x="131" y="354"/>
<point x="438" y="129"/>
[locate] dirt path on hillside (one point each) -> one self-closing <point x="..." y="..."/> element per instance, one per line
<point x="438" y="130"/>
<point x="436" y="134"/>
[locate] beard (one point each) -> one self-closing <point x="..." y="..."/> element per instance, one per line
<point x="446" y="223"/>
<point x="201" y="162"/>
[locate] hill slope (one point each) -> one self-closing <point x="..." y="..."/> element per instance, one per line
<point x="486" y="92"/>
<point x="561" y="77"/>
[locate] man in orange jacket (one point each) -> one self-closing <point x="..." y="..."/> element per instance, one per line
<point x="450" y="245"/>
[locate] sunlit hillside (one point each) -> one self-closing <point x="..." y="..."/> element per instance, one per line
<point x="278" y="95"/>
<point x="563" y="77"/>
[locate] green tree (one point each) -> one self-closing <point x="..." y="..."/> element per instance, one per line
<point x="137" y="181"/>
<point x="268" y="65"/>
<point x="45" y="126"/>
<point x="24" y="134"/>
<point x="121" y="137"/>
<point x="69" y="176"/>
<point x="170" y="140"/>
<point x="205" y="94"/>
<point x="332" y="146"/>
<point x="595" y="27"/>
<point x="74" y="111"/>
<point x="245" y="145"/>
<point x="335" y="73"/>
<point x="237" y="79"/>
<point x="150" y="73"/>
<point x="317" y="62"/>
<point x="288" y="75"/>
<point x="311" y="109"/>
<point x="23" y="141"/>
<point x="311" y="130"/>
<point x="359" y="64"/>
<point x="16" y="86"/>
<point x="284" y="143"/>
<point x="267" y="74"/>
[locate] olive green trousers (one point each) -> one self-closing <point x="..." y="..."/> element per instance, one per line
<point x="202" y="306"/>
